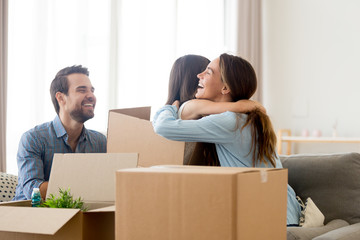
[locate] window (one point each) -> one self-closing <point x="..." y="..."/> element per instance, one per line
<point x="129" y="47"/>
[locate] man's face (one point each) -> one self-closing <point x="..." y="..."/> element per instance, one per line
<point x="80" y="101"/>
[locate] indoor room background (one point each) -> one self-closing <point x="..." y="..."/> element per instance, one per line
<point x="305" y="53"/>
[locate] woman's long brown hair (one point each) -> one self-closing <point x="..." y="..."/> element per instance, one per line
<point x="264" y="138"/>
<point x="204" y="155"/>
<point x="239" y="76"/>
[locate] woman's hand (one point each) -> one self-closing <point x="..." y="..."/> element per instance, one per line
<point x="177" y="104"/>
<point x="251" y="105"/>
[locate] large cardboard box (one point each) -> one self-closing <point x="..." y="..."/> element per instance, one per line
<point x="184" y="203"/>
<point x="90" y="176"/>
<point x="129" y="130"/>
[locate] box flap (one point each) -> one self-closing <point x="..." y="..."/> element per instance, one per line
<point x="34" y="220"/>
<point x="239" y="169"/>
<point x="90" y="176"/>
<point x="20" y="203"/>
<point x="104" y="209"/>
<point x="140" y="112"/>
<point x="132" y="134"/>
<point x="201" y="169"/>
<point x="207" y="170"/>
<point x="94" y="206"/>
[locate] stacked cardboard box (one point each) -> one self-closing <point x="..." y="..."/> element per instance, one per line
<point x="90" y="176"/>
<point x="169" y="202"/>
<point x="129" y="130"/>
<point x="181" y="203"/>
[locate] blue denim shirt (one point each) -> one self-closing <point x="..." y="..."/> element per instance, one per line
<point x="36" y="150"/>
<point x="232" y="144"/>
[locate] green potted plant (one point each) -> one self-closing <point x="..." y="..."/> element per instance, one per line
<point x="64" y="200"/>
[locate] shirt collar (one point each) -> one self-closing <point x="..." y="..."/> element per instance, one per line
<point x="60" y="130"/>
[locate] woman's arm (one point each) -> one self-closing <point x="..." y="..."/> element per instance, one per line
<point x="217" y="128"/>
<point x="197" y="108"/>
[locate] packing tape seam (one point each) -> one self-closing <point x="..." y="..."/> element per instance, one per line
<point x="263" y="176"/>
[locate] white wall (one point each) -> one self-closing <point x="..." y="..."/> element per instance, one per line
<point x="312" y="67"/>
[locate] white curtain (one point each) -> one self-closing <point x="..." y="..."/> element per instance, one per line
<point x="129" y="47"/>
<point x="44" y="37"/>
<point x="150" y="38"/>
<point x="3" y="81"/>
<point x="250" y="37"/>
<point x="245" y="35"/>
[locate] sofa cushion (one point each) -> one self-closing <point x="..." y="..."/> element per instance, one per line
<point x="300" y="233"/>
<point x="351" y="232"/>
<point x="8" y="184"/>
<point x="311" y="216"/>
<point x="331" y="180"/>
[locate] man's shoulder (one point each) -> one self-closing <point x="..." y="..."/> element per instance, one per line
<point x="40" y="134"/>
<point x="39" y="129"/>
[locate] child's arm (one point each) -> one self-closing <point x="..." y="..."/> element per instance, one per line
<point x="197" y="108"/>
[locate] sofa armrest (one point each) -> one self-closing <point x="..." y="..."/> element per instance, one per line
<point x="351" y="232"/>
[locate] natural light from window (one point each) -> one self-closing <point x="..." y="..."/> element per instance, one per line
<point x="128" y="49"/>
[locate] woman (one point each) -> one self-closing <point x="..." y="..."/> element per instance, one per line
<point x="241" y="140"/>
<point x="183" y="84"/>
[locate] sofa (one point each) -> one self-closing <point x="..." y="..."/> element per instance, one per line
<point x="332" y="181"/>
<point x="8" y="184"/>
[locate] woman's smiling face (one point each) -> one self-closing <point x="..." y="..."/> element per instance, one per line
<point x="210" y="84"/>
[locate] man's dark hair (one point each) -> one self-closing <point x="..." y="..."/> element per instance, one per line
<point x="60" y="82"/>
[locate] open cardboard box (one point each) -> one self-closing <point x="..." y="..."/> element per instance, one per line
<point x="193" y="202"/>
<point x="130" y="130"/>
<point x="90" y="176"/>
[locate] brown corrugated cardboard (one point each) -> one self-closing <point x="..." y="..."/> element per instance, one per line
<point x="75" y="170"/>
<point x="39" y="223"/>
<point x="83" y="174"/>
<point x="139" y="112"/>
<point x="93" y="224"/>
<point x="129" y="130"/>
<point x="201" y="203"/>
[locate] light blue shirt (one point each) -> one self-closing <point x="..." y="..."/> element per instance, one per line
<point x="232" y="144"/>
<point x="36" y="150"/>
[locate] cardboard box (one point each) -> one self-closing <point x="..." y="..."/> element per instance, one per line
<point x="129" y="130"/>
<point x="90" y="176"/>
<point x="201" y="203"/>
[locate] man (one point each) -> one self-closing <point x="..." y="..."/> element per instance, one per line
<point x="73" y="97"/>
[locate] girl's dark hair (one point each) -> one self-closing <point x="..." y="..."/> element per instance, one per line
<point x="183" y="83"/>
<point x="60" y="82"/>
<point x="239" y="76"/>
<point x="183" y="79"/>
<point x="204" y="154"/>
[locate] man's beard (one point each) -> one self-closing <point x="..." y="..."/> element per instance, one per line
<point x="79" y="116"/>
